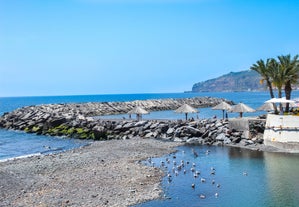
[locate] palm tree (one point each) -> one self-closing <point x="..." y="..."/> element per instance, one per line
<point x="277" y="75"/>
<point x="278" y="78"/>
<point x="290" y="69"/>
<point x="264" y="69"/>
<point x="281" y="73"/>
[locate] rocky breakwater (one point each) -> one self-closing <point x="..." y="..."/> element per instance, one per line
<point x="74" y="120"/>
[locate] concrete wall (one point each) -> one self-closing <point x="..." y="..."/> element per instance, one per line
<point x="282" y="131"/>
<point x="240" y="124"/>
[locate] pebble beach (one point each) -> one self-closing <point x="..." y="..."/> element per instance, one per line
<point x="105" y="173"/>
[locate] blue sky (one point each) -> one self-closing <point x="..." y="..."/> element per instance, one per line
<point x="73" y="47"/>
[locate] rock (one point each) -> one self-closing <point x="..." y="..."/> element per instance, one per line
<point x="193" y="131"/>
<point x="221" y="137"/>
<point x="170" y="131"/>
<point x="176" y="139"/>
<point x="154" y="126"/>
<point x="236" y="139"/>
<point x="248" y="142"/>
<point x="148" y="135"/>
<point x="128" y="125"/>
<point x="218" y="124"/>
<point x="118" y="127"/>
<point x="56" y="122"/>
<point x="163" y="127"/>
<point x="140" y="123"/>
<point x="226" y="140"/>
<point x="194" y="140"/>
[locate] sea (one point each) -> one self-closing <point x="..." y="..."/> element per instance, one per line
<point x="232" y="176"/>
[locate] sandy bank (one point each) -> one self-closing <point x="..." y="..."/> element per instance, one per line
<point x="106" y="173"/>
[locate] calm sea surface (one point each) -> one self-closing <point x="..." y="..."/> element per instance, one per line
<point x="242" y="178"/>
<point x="246" y="178"/>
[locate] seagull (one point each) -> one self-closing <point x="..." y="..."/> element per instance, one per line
<point x="179" y="167"/>
<point x="245" y="173"/>
<point x="202" y="180"/>
<point x="193" y="185"/>
<point x="194" y="153"/>
<point x="202" y="196"/>
<point x="216" y="195"/>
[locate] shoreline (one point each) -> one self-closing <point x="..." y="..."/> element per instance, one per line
<point x="105" y="173"/>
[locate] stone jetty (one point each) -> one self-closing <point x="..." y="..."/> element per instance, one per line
<point x="77" y="120"/>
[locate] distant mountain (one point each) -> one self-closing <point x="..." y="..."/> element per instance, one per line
<point x="248" y="80"/>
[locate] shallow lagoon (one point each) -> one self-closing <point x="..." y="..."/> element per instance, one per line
<point x="245" y="178"/>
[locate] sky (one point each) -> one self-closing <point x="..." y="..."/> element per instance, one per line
<point x="83" y="47"/>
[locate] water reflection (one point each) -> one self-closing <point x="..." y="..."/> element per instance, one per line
<point x="283" y="178"/>
<point x="221" y="176"/>
<point x="234" y="152"/>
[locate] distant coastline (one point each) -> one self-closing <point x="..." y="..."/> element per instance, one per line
<point x="243" y="81"/>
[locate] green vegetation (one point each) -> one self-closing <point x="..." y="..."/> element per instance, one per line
<point x="283" y="72"/>
<point x="65" y="130"/>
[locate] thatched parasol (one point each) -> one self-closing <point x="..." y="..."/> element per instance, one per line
<point x="138" y="111"/>
<point x="267" y="107"/>
<point x="222" y="106"/>
<point x="186" y="109"/>
<point x="241" y="108"/>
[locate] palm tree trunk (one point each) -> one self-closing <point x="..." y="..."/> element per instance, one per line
<point x="272" y="95"/>
<point x="288" y="91"/>
<point x="270" y="88"/>
<point x="280" y="96"/>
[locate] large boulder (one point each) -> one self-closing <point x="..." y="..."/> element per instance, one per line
<point x="193" y="131"/>
<point x="56" y="122"/>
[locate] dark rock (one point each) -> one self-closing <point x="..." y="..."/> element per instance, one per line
<point x="56" y="122"/>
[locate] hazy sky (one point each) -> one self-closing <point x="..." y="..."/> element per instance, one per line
<point x="68" y="47"/>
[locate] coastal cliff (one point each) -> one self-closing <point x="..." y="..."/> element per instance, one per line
<point x="248" y="80"/>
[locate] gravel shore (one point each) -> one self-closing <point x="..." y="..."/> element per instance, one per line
<point x="105" y="173"/>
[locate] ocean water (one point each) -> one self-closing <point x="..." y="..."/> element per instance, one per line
<point x="17" y="143"/>
<point x="14" y="143"/>
<point x="241" y="178"/>
<point x="270" y="179"/>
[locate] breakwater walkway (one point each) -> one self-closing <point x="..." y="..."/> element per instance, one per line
<point x="76" y="120"/>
